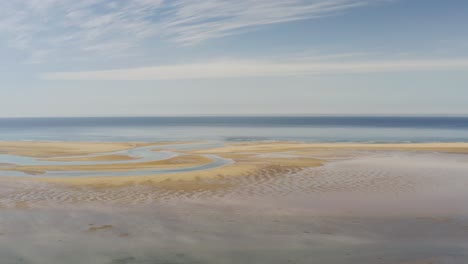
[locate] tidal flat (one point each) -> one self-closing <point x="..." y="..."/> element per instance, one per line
<point x="273" y="202"/>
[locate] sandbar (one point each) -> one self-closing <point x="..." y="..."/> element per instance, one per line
<point x="248" y="158"/>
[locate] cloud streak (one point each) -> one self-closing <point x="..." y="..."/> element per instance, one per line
<point x="111" y="28"/>
<point x="246" y="68"/>
<point x="196" y="21"/>
<point x="59" y="27"/>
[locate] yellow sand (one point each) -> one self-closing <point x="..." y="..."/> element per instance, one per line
<point x="226" y="171"/>
<point x="175" y="162"/>
<point x="262" y="147"/>
<point x="43" y="149"/>
<point x="248" y="158"/>
<point x="243" y="165"/>
<point x="92" y="158"/>
<point x="53" y="149"/>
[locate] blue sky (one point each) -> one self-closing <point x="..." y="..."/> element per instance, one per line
<point x="188" y="57"/>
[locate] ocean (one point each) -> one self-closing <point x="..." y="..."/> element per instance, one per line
<point x="369" y="129"/>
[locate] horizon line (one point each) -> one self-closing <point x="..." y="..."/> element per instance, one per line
<point x="247" y="115"/>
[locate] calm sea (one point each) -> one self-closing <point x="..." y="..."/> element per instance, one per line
<point x="300" y="128"/>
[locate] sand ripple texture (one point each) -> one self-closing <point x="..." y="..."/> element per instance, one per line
<point x="375" y="173"/>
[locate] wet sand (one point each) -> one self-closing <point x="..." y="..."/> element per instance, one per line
<point x="175" y="162"/>
<point x="48" y="149"/>
<point x="294" y="146"/>
<point x="114" y="157"/>
<point x="248" y="159"/>
<point x="53" y="149"/>
<point x="278" y="202"/>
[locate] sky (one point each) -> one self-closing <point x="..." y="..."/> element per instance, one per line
<point x="223" y="57"/>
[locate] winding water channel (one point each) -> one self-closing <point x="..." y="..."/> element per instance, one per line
<point x="137" y="155"/>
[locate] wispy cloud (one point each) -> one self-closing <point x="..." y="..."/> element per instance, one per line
<point x="246" y="68"/>
<point x="76" y="26"/>
<point x="113" y="28"/>
<point x="195" y="21"/>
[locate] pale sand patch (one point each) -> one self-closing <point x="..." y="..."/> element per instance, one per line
<point x="43" y="149"/>
<point x="175" y="162"/>
<point x="54" y="149"/>
<point x="93" y="228"/>
<point x="93" y="158"/>
<point x="236" y="169"/>
<point x="242" y="166"/>
<point x="263" y="147"/>
<point x="423" y="261"/>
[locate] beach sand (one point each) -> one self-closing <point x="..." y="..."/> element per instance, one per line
<point x="114" y="157"/>
<point x="175" y="162"/>
<point x="277" y="202"/>
<point x="248" y="158"/>
<point x="47" y="149"/>
<point x="54" y="149"/>
<point x="257" y="147"/>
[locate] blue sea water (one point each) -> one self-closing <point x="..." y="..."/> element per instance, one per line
<point x="239" y="128"/>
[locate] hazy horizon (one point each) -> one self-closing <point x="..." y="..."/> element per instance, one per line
<point x="245" y="115"/>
